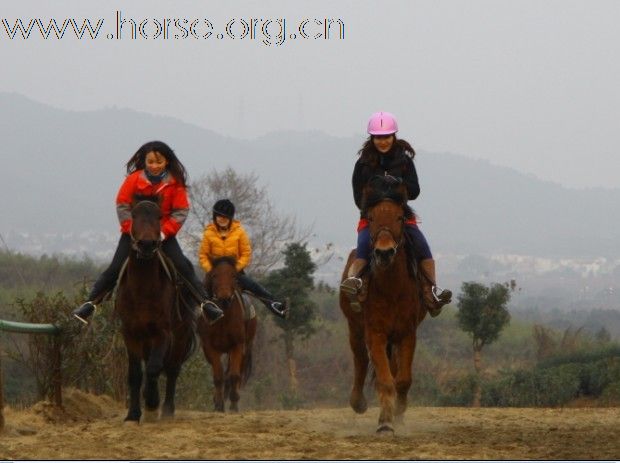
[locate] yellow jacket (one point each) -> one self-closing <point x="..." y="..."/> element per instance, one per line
<point x="233" y="242"/>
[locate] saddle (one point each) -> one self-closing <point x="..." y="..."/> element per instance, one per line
<point x="412" y="267"/>
<point x="249" y="311"/>
<point x="173" y="275"/>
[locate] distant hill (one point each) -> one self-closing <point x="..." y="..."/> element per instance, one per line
<point x="61" y="171"/>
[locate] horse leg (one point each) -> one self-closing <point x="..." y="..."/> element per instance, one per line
<point x="134" y="379"/>
<point x="360" y="363"/>
<point x="235" y="357"/>
<point x="172" y="374"/>
<point x="377" y="344"/>
<point x="154" y="366"/>
<point x="214" y="358"/>
<point x="405" y="352"/>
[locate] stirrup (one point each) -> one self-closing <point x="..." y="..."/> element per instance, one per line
<point x="279" y="309"/>
<point x="351" y="285"/>
<point x="84" y="311"/>
<point x="439" y="296"/>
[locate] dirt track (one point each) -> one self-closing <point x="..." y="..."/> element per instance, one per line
<point x="91" y="428"/>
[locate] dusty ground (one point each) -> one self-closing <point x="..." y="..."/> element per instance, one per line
<point x="91" y="428"/>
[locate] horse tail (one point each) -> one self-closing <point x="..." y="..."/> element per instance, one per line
<point x="250" y="333"/>
<point x="247" y="367"/>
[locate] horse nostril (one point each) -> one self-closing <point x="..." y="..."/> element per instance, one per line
<point x="385" y="254"/>
<point x="147" y="245"/>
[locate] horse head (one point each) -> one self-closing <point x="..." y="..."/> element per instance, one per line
<point x="223" y="279"/>
<point x="145" y="228"/>
<point x="386" y="222"/>
<point x="385" y="206"/>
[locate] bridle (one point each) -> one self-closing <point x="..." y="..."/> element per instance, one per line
<point x="226" y="300"/>
<point x="135" y="245"/>
<point x="373" y="237"/>
<point x="385" y="228"/>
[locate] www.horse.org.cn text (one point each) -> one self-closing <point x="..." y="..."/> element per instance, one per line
<point x="267" y="31"/>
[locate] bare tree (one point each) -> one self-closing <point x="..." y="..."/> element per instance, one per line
<point x="268" y="230"/>
<point x="546" y="345"/>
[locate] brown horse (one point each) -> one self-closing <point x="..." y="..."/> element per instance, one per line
<point x="156" y="330"/>
<point x="385" y="329"/>
<point x="232" y="335"/>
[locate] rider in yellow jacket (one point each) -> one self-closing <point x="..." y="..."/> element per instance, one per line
<point x="225" y="237"/>
<point x="218" y="241"/>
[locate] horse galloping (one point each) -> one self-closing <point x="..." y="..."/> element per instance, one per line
<point x="156" y="330"/>
<point x="384" y="332"/>
<point x="233" y="335"/>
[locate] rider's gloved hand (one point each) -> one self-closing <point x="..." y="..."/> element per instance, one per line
<point x="393" y="179"/>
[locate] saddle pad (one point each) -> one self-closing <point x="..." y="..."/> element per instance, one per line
<point x="249" y="311"/>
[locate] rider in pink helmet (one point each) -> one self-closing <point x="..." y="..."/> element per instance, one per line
<point x="382" y="123"/>
<point x="385" y="155"/>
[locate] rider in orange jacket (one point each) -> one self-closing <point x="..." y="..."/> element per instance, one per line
<point x="153" y="171"/>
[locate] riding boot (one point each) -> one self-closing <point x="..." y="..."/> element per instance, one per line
<point x="278" y="308"/>
<point x="105" y="282"/>
<point x="352" y="285"/>
<point x="252" y="287"/>
<point x="433" y="296"/>
<point x="83" y="312"/>
<point x="100" y="289"/>
<point x="211" y="310"/>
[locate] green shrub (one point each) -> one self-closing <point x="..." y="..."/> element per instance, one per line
<point x="458" y="391"/>
<point x="611" y="394"/>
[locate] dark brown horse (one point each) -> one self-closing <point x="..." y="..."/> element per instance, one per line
<point x="385" y="329"/>
<point x="232" y="335"/>
<point x="156" y="329"/>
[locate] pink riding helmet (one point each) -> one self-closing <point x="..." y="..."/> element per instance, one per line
<point x="382" y="123"/>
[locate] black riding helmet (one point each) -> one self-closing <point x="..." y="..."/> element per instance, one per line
<point x="225" y="208"/>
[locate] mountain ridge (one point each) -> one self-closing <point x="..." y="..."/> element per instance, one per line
<point x="66" y="166"/>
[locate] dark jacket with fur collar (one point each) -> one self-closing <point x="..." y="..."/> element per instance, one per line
<point x="396" y="163"/>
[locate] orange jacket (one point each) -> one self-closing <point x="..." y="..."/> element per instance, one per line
<point x="174" y="204"/>
<point x="233" y="242"/>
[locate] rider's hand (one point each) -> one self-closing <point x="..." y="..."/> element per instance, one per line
<point x="393" y="180"/>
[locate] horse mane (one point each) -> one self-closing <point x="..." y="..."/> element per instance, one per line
<point x="381" y="188"/>
<point x="227" y="259"/>
<point x="150" y="198"/>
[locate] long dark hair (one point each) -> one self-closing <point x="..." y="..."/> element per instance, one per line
<point x="369" y="153"/>
<point x="176" y="169"/>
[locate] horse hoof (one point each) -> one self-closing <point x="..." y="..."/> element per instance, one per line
<point x="359" y="406"/>
<point x="133" y="416"/>
<point x="131" y="421"/>
<point x="385" y="430"/>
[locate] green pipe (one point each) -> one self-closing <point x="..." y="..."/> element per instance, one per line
<point x="33" y="328"/>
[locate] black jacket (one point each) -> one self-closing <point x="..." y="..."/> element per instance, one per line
<point x="396" y="163"/>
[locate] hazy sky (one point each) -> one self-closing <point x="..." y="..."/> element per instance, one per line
<point x="527" y="84"/>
